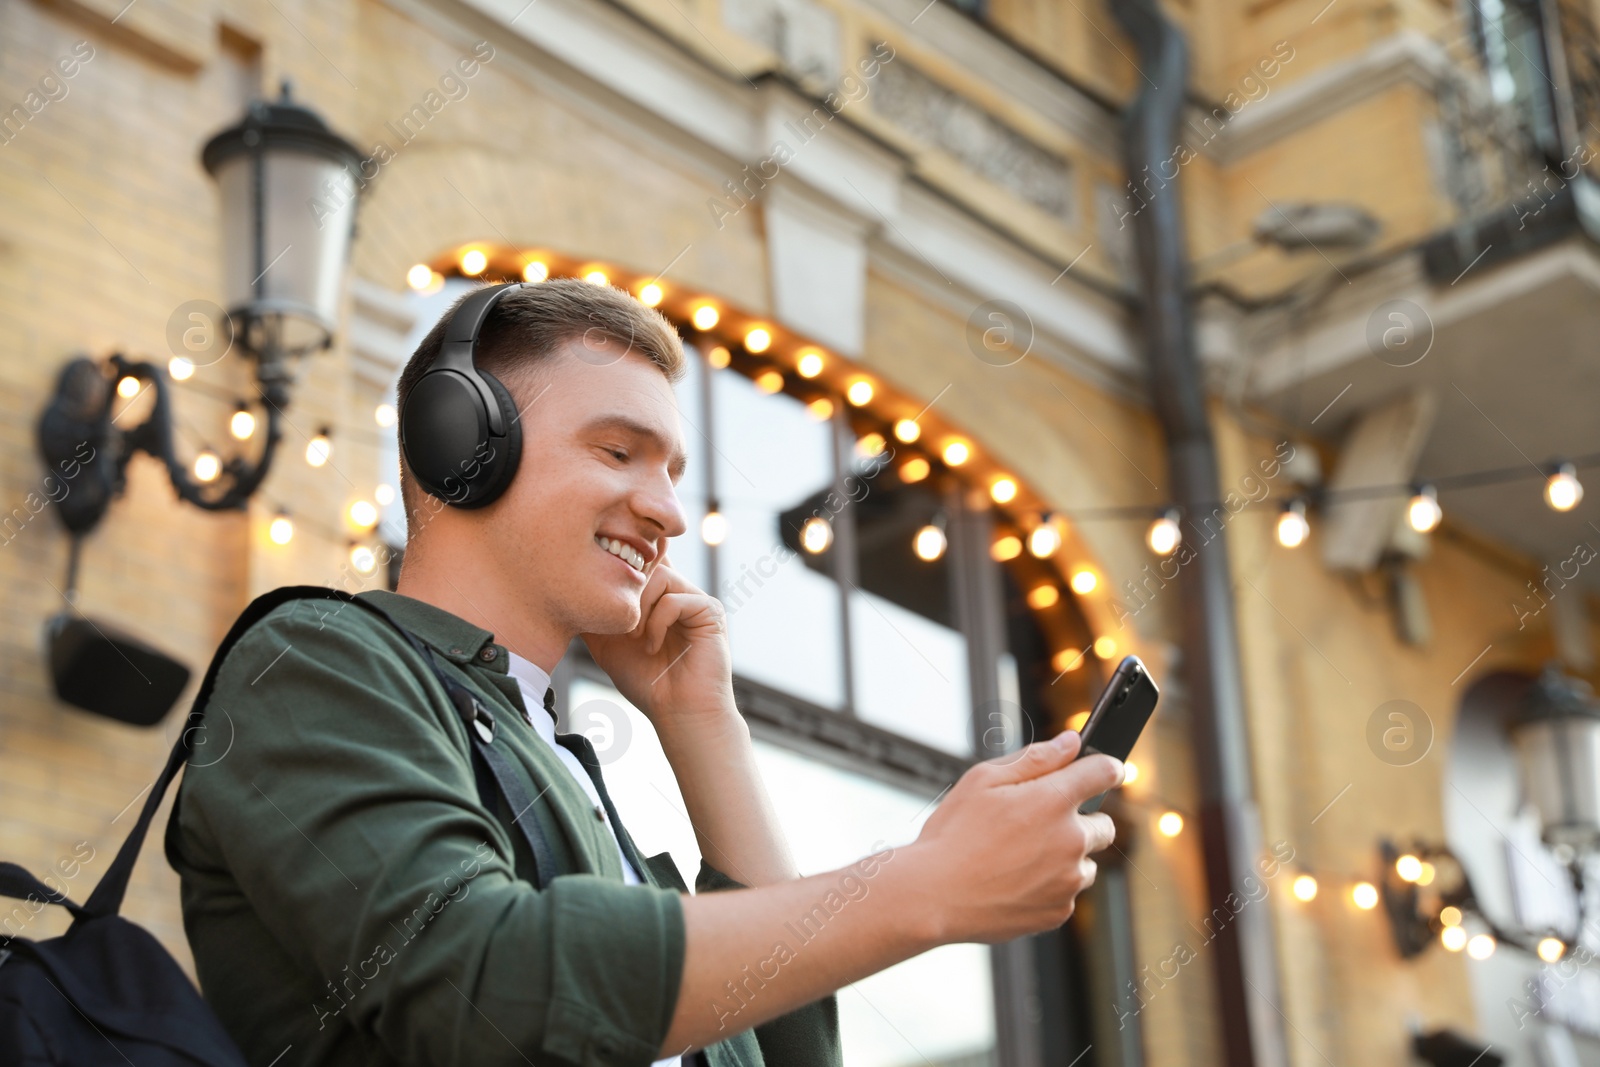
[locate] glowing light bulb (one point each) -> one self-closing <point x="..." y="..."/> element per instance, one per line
<point x="1130" y="772"/>
<point x="1105" y="646"/>
<point x="1551" y="949"/>
<point x="770" y="381"/>
<point x="363" y="559"/>
<point x="281" y="530"/>
<point x="1043" y="596"/>
<point x="180" y="368"/>
<point x="128" y="387"/>
<point x="1425" y="875"/>
<point x="1364" y="895"/>
<point x="757" y="340"/>
<point x="1170" y="824"/>
<point x="1450" y="915"/>
<point x="1076" y="720"/>
<point x="859" y="393"/>
<point x="1084" y="581"/>
<point x="319" y="449"/>
<point x="384" y="415"/>
<point x="383" y="494"/>
<point x="420" y="276"/>
<point x="597" y="277"/>
<point x="821" y="409"/>
<point x="207" y="466"/>
<point x="1424" y="513"/>
<point x="816" y="535"/>
<point x="1164" y="535"/>
<point x="1304" y="888"/>
<point x="1480" y="946"/>
<point x="1292" y="526"/>
<point x="907" y="430"/>
<point x="719" y="357"/>
<point x="473" y="262"/>
<point x="914" y="469"/>
<point x="1408" y="867"/>
<point x="1003" y="490"/>
<point x="1453" y="938"/>
<point x="535" y="271"/>
<point x="363" y="514"/>
<point x="651" y="295"/>
<point x="705" y="317"/>
<point x="1563" y="491"/>
<point x="809" y="364"/>
<point x="1044" y="540"/>
<point x="871" y="444"/>
<point x="242" y="425"/>
<point x="956" y="453"/>
<point x="1067" y="660"/>
<point x="1006" y="547"/>
<point x="929" y="544"/>
<point x="714" y="528"/>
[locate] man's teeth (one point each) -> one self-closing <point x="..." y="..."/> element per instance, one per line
<point x="624" y="551"/>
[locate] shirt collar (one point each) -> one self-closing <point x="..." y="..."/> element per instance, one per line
<point x="451" y="636"/>
<point x="528" y="673"/>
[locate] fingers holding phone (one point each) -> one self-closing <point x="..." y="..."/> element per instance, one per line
<point x="1009" y="847"/>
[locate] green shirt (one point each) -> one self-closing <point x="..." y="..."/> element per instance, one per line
<point x="347" y="896"/>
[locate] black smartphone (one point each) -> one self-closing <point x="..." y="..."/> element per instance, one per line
<point x="1118" y="718"/>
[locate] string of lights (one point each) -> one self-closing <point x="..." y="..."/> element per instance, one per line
<point x="923" y="445"/>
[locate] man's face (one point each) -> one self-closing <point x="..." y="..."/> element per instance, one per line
<point x="601" y="454"/>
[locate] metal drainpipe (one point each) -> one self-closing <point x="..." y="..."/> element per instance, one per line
<point x="1243" y="949"/>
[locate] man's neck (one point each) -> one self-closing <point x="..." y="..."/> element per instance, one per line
<point x="473" y="594"/>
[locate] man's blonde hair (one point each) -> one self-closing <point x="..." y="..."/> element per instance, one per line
<point x="527" y="326"/>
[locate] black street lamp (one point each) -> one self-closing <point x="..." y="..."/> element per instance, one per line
<point x="288" y="187"/>
<point x="289" y="191"/>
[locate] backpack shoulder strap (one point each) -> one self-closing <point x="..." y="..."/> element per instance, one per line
<point x="108" y="894"/>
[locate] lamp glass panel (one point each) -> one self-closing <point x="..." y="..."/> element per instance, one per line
<point x="309" y="205"/>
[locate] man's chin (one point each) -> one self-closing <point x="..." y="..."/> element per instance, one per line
<point x="613" y="618"/>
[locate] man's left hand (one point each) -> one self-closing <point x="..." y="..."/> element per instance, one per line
<point x="675" y="666"/>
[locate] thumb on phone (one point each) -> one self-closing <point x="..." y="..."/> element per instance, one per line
<point x="1038" y="759"/>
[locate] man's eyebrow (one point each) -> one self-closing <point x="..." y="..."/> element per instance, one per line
<point x="678" y="461"/>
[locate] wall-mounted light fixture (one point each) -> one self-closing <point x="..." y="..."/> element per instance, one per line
<point x="288" y="202"/>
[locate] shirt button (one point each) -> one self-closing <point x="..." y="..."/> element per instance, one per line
<point x="600" y="813"/>
<point x="488" y="654"/>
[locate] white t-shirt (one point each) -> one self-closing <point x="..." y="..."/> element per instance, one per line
<point x="533" y="682"/>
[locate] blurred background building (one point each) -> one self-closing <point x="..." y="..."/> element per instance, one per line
<point x="930" y="472"/>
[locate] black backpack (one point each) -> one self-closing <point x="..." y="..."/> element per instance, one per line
<point x="106" y="992"/>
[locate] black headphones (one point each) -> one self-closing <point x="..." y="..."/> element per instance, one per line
<point x="459" y="428"/>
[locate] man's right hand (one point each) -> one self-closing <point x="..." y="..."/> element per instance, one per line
<point x="1004" y="855"/>
<point x="1006" y="852"/>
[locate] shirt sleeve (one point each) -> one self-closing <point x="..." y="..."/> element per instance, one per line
<point x="805" y="1037"/>
<point x="347" y="812"/>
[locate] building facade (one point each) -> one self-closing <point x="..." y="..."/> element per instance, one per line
<point x="925" y="463"/>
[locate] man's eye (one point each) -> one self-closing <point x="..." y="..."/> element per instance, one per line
<point x="618" y="454"/>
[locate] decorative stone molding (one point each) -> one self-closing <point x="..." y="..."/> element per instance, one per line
<point x="951" y="123"/>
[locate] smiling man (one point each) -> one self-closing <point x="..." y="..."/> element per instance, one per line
<point x="348" y="898"/>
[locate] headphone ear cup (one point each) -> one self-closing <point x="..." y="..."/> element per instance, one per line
<point x="508" y="451"/>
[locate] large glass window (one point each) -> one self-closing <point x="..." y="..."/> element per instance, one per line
<point x="910" y="658"/>
<point x="784" y="621"/>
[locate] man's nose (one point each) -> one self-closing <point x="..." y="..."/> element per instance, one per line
<point x="660" y="504"/>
